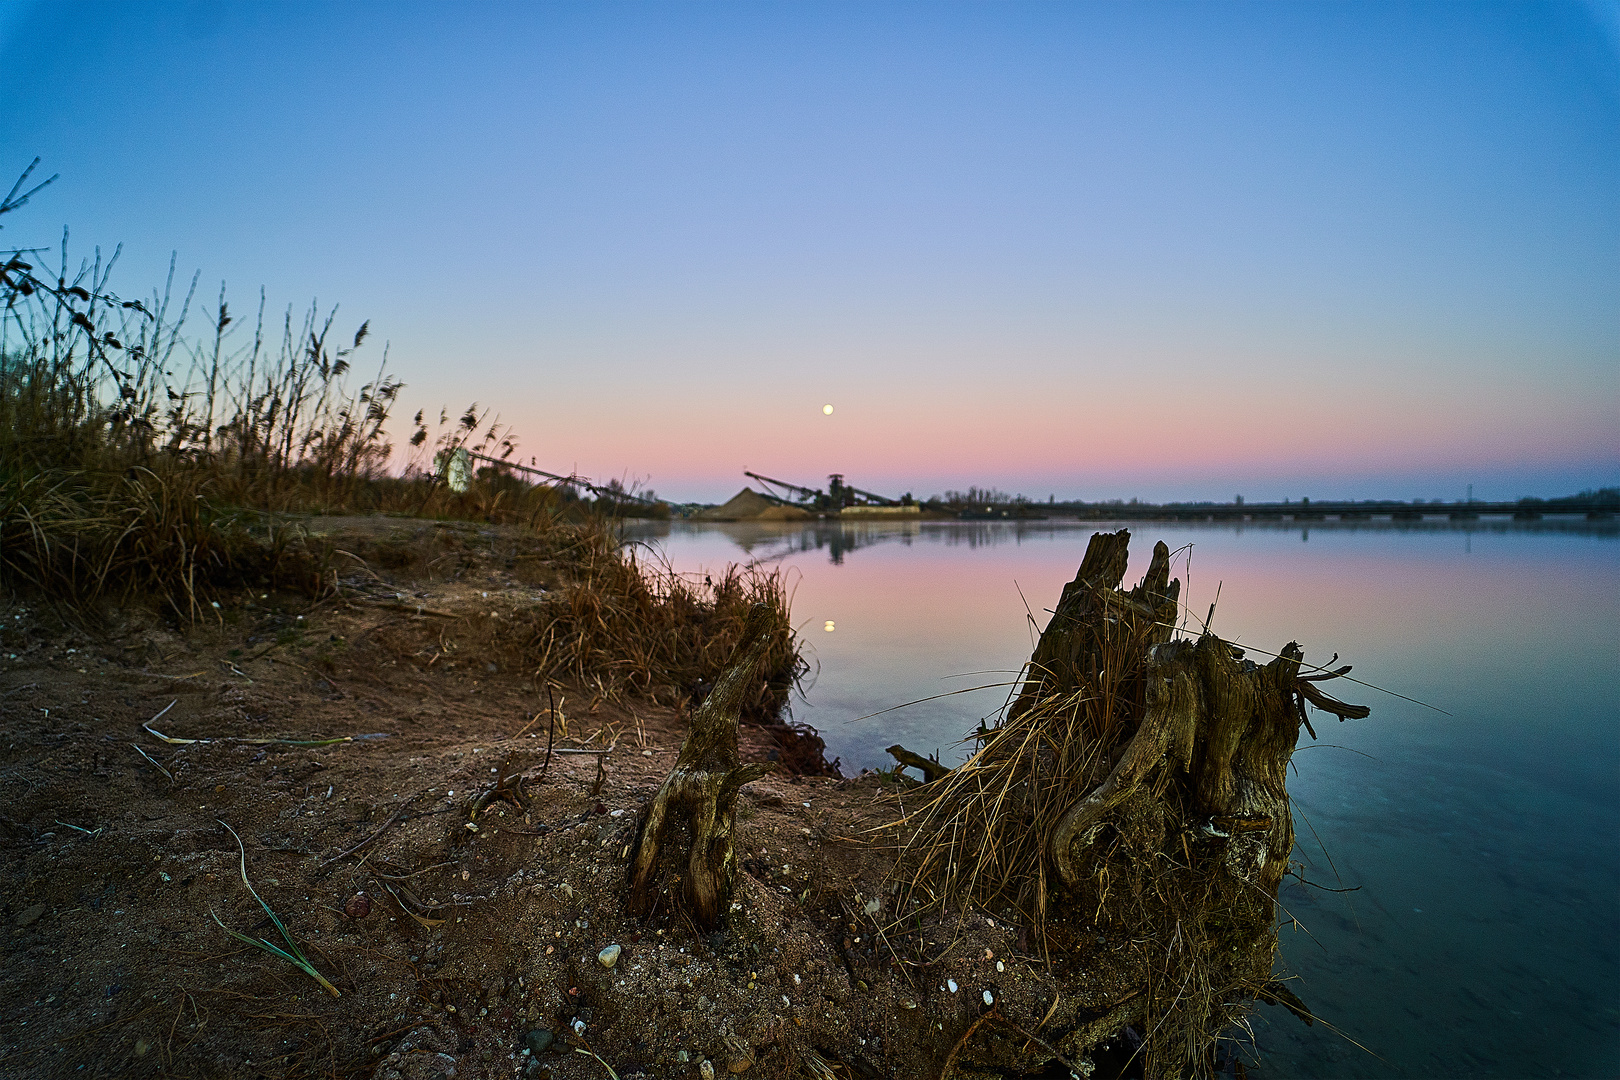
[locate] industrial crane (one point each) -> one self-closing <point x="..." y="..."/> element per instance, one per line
<point x="837" y="481"/>
<point x="806" y="495"/>
<point x="839" y="494"/>
<point x="572" y="481"/>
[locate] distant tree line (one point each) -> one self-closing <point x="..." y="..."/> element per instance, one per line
<point x="1607" y="498"/>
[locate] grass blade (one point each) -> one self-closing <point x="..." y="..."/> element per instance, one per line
<point x="292" y="954"/>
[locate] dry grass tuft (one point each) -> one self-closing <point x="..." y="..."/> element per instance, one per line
<point x="627" y="623"/>
<point x="144" y="535"/>
<point x="984" y="835"/>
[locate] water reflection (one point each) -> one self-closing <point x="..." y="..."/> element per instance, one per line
<point x="775" y="542"/>
<point x="770" y="542"/>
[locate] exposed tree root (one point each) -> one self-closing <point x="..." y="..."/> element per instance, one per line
<point x="684" y="857"/>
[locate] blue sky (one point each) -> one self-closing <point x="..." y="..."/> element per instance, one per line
<point x="1158" y="250"/>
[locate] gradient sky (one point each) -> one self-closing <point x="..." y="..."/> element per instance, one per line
<point x="1154" y="250"/>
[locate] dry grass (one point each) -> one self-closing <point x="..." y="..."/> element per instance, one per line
<point x="143" y="536"/>
<point x="629" y="624"/>
<point x="984" y="835"/>
<point x="128" y="448"/>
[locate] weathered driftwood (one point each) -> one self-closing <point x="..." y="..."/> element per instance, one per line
<point x="683" y="856"/>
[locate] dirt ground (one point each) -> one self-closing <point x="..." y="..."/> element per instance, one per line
<point x="462" y="944"/>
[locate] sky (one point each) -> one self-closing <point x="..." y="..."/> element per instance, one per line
<point x="1154" y="250"/>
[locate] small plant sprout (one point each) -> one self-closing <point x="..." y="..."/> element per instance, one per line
<point x="292" y="953"/>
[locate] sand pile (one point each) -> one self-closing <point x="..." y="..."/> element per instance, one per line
<point x="750" y="505"/>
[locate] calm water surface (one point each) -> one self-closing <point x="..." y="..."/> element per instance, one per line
<point x="1483" y="841"/>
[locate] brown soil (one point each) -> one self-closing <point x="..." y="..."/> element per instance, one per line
<point x="475" y="937"/>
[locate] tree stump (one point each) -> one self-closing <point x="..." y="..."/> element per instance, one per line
<point x="683" y="858"/>
<point x="1131" y="811"/>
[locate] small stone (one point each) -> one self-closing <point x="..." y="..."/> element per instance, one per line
<point x="30" y="915"/>
<point x="609" y="956"/>
<point x="739" y="1056"/>
<point x="989" y="998"/>
<point x="1000" y="966"/>
<point x="539" y="1040"/>
<point x="950" y="984"/>
<point x="682" y="1057"/>
<point x="706" y="1070"/>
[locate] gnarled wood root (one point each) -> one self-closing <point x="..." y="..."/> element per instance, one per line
<point x="1225" y="728"/>
<point x="683" y="856"/>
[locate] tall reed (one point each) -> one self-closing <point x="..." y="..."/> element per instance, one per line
<point x="129" y="445"/>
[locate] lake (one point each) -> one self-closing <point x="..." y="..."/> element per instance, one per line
<point x="1480" y="830"/>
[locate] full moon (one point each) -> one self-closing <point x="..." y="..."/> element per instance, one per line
<point x="826" y="410"/>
